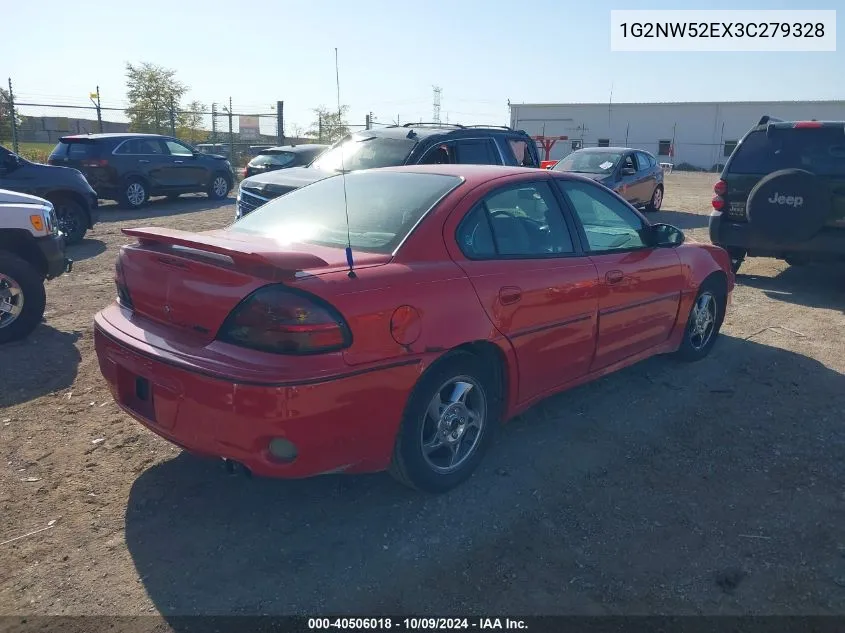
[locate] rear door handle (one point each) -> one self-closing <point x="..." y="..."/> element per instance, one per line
<point x="614" y="276"/>
<point x="178" y="162"/>
<point x="510" y="295"/>
<point x="143" y="160"/>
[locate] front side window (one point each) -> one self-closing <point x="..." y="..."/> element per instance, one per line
<point x="608" y="223"/>
<point x="365" y="152"/>
<point x="177" y="149"/>
<point x="476" y="152"/>
<point x="383" y="207"/>
<point x="521" y="221"/>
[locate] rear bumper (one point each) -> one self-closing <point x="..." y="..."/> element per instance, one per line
<point x="53" y="250"/>
<point x="829" y="243"/>
<point x="344" y="423"/>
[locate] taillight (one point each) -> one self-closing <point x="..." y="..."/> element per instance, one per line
<point x="718" y="203"/>
<point x="282" y="320"/>
<point x="720" y="188"/>
<point x="807" y="124"/>
<point x="96" y="163"/>
<point x="123" y="297"/>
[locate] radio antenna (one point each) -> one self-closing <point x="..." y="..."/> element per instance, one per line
<point x="343" y="172"/>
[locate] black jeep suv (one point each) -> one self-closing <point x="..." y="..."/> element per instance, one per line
<point x="410" y="144"/>
<point x="782" y="193"/>
<point x="129" y="168"/>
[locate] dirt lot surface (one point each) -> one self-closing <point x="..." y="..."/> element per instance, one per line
<point x="714" y="487"/>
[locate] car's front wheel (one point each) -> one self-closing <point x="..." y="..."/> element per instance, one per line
<point x="73" y="221"/>
<point x="22" y="298"/>
<point x="449" y="421"/>
<point x="219" y="187"/>
<point x="135" y="194"/>
<point x="704" y="322"/>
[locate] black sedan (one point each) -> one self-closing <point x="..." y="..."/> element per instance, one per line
<point x="632" y="173"/>
<point x="283" y="157"/>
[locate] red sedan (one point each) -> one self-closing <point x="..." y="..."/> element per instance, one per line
<point x="469" y="293"/>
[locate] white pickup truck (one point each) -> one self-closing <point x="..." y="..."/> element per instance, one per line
<point x="32" y="249"/>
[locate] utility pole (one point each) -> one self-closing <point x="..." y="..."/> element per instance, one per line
<point x="14" y="118"/>
<point x="280" y="121"/>
<point x="231" y="134"/>
<point x="437" y="91"/>
<point x="368" y="120"/>
<point x="320" y="127"/>
<point x="214" y="123"/>
<point x="95" y="99"/>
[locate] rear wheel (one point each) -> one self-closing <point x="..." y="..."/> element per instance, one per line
<point x="737" y="257"/>
<point x="135" y="194"/>
<point x="656" y="199"/>
<point x="704" y="322"/>
<point x="219" y="187"/>
<point x="22" y="298"/>
<point x="449" y="421"/>
<point x="73" y="221"/>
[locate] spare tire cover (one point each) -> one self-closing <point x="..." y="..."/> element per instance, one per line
<point x="789" y="206"/>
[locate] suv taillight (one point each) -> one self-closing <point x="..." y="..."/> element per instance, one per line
<point x="281" y="320"/>
<point x="720" y="189"/>
<point x="123" y="297"/>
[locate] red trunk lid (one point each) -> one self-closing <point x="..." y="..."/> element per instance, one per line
<point x="192" y="281"/>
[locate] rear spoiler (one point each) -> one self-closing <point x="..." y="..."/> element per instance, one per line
<point x="76" y="139"/>
<point x="260" y="256"/>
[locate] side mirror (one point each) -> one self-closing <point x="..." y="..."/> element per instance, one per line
<point x="666" y="235"/>
<point x="627" y="171"/>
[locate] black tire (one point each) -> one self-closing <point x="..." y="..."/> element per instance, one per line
<point x="215" y="190"/>
<point x="135" y="194"/>
<point x="73" y="219"/>
<point x="691" y="348"/>
<point x="409" y="465"/>
<point x="20" y="273"/>
<point x="656" y="200"/>
<point x="737" y="257"/>
<point x="789" y="206"/>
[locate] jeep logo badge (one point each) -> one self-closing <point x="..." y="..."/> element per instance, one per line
<point x="789" y="201"/>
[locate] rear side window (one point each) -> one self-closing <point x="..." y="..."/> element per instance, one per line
<point x="59" y="151"/>
<point x="477" y="152"/>
<point x="817" y="150"/>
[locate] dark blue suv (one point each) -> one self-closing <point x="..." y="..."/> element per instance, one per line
<point x="410" y="144"/>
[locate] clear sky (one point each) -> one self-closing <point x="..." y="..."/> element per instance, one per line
<point x="391" y="54"/>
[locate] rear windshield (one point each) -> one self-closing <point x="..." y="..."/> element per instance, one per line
<point x="818" y="150"/>
<point x="589" y="162"/>
<point x="279" y="159"/>
<point x="73" y="150"/>
<point x="365" y="152"/>
<point x="383" y="208"/>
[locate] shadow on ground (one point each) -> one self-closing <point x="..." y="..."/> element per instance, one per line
<point x="162" y="207"/>
<point x="680" y="219"/>
<point x="44" y="362"/>
<point x="811" y="285"/>
<point x="86" y="249"/>
<point x="712" y="487"/>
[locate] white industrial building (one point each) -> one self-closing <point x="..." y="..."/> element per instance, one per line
<point x="701" y="134"/>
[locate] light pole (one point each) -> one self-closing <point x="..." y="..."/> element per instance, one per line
<point x="95" y="99"/>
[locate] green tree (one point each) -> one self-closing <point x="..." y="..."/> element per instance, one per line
<point x="6" y="116"/>
<point x="151" y="91"/>
<point x="330" y="125"/>
<point x="190" y="123"/>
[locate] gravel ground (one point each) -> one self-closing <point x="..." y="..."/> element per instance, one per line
<point x="714" y="487"/>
